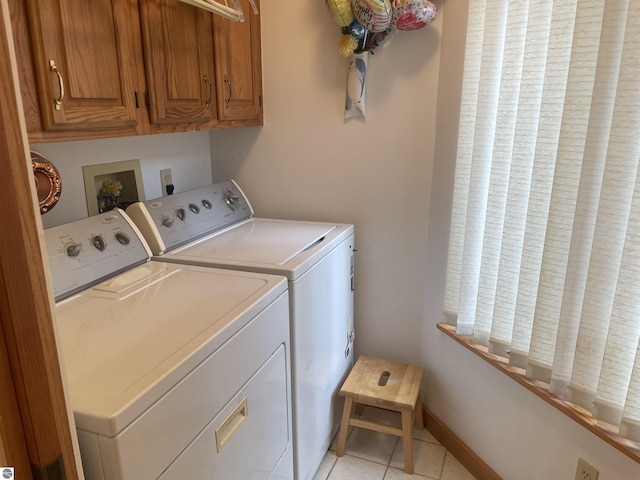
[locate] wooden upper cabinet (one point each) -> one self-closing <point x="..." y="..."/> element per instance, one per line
<point x="178" y="53"/>
<point x="107" y="68"/>
<point x="239" y="66"/>
<point x="87" y="62"/>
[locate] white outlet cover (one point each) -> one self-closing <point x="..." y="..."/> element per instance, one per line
<point x="584" y="471"/>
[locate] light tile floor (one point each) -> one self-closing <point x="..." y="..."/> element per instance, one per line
<point x="376" y="456"/>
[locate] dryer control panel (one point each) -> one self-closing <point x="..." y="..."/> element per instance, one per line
<point x="87" y="251"/>
<point x="174" y="220"/>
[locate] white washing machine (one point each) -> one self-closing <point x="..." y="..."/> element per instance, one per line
<point x="214" y="226"/>
<point x="174" y="371"/>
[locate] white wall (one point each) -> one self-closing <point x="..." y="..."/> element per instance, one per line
<point x="187" y="154"/>
<point x="308" y="163"/>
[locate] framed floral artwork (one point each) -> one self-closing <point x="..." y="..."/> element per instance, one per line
<point x="110" y="185"/>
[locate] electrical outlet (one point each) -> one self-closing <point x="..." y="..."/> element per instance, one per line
<point x="165" y="179"/>
<point x="584" y="471"/>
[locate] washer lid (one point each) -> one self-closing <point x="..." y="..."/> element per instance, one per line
<point x="259" y="240"/>
<point x="127" y="341"/>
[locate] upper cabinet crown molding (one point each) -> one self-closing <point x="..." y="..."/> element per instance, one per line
<point x="110" y="68"/>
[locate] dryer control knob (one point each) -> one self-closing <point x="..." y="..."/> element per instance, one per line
<point x="73" y="250"/>
<point x="167" y="222"/>
<point x="99" y="242"/>
<point x="180" y="213"/>
<point x="123" y="238"/>
<point x="231" y="199"/>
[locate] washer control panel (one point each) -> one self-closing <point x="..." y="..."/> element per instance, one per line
<point x="174" y="220"/>
<point x="86" y="251"/>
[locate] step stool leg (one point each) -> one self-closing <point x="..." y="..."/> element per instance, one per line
<point x="344" y="426"/>
<point x="407" y="444"/>
<point x="418" y="412"/>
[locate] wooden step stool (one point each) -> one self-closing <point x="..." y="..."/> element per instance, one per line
<point x="383" y="384"/>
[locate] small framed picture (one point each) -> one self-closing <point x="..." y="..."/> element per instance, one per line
<point x="110" y="185"/>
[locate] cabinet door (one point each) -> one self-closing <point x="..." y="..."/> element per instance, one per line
<point x="87" y="62"/>
<point x="178" y="51"/>
<point x="239" y="66"/>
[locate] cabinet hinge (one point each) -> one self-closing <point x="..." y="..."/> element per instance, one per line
<point x="260" y="100"/>
<point x="137" y="99"/>
<point x="53" y="471"/>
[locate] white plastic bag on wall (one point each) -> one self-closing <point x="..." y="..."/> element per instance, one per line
<point x="356" y="86"/>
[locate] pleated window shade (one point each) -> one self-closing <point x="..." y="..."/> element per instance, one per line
<point x="544" y="250"/>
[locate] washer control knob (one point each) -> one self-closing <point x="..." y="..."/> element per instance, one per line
<point x="123" y="238"/>
<point x="231" y="199"/>
<point x="99" y="242"/>
<point x="194" y="208"/>
<point x="73" y="250"/>
<point x="167" y="222"/>
<point x="207" y="204"/>
<point x="180" y="213"/>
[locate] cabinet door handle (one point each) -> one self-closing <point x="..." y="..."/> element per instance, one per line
<point x="57" y="102"/>
<point x="208" y="82"/>
<point x="226" y="102"/>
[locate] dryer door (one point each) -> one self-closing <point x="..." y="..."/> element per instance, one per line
<point x="247" y="439"/>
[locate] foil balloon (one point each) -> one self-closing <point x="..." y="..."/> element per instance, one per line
<point x="357" y="30"/>
<point x="412" y="14"/>
<point x="340" y="11"/>
<point x="374" y="15"/>
<point x="356" y="86"/>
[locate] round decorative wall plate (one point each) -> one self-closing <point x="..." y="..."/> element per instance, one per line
<point x="48" y="182"/>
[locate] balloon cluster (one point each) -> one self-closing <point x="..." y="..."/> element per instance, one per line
<point x="366" y="22"/>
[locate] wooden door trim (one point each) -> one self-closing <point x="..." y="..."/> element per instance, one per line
<point x="42" y="430"/>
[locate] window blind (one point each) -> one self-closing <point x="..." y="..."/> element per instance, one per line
<point x="544" y="249"/>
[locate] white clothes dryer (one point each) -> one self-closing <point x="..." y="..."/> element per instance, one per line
<point x="215" y="226"/>
<point x="174" y="371"/>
